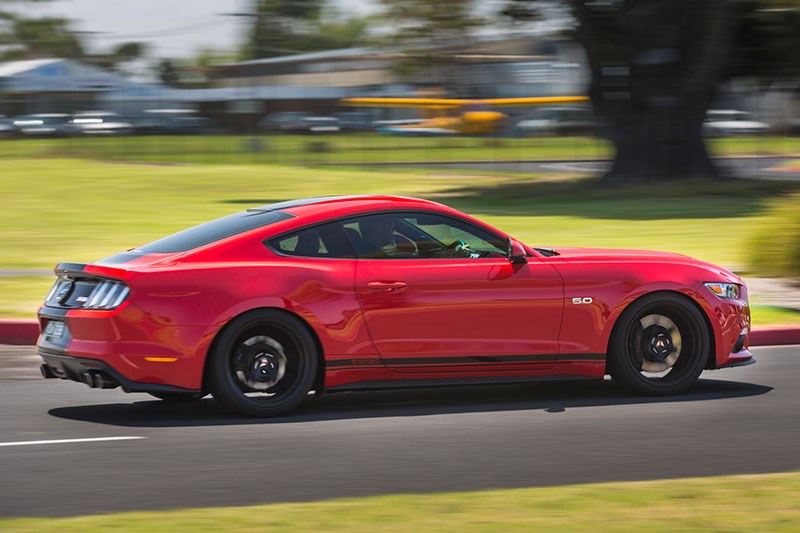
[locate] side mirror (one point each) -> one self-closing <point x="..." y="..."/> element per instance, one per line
<point x="516" y="253"/>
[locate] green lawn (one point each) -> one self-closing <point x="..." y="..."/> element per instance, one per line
<point x="732" y="504"/>
<point x="75" y="210"/>
<point x="350" y="149"/>
<point x="304" y="149"/>
<point x="763" y="315"/>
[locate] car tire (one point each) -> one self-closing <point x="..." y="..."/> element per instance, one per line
<point x="263" y="363"/>
<point x="178" y="397"/>
<point x="660" y="345"/>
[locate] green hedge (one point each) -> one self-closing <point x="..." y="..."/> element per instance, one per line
<point x="776" y="246"/>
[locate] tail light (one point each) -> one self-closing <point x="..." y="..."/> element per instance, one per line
<point x="92" y="293"/>
<point x="107" y="295"/>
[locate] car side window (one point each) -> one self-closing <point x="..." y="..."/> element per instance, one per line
<point x="420" y="236"/>
<point x="380" y="237"/>
<point x="454" y="238"/>
<point x="327" y="240"/>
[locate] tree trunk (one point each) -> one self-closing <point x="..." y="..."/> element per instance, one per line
<point x="656" y="65"/>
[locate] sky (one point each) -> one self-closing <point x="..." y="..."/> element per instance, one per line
<point x="173" y="28"/>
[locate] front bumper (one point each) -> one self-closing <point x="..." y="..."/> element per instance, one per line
<point x="730" y="321"/>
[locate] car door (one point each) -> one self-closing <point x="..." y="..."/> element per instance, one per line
<point x="319" y="281"/>
<point x="443" y="296"/>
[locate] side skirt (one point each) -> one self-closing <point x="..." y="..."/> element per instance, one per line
<point x="451" y="382"/>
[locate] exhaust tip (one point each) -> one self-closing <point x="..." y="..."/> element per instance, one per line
<point x="87" y="379"/>
<point x="104" y="381"/>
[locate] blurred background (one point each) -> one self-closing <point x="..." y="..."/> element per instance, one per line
<point x="662" y="124"/>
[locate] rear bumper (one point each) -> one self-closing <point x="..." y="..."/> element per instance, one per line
<point x="140" y="352"/>
<point x="77" y="368"/>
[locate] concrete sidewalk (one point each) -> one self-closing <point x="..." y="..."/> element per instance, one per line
<point x="778" y="292"/>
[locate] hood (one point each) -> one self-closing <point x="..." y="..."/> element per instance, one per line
<point x="610" y="255"/>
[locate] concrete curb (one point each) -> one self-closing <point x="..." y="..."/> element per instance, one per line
<point x="25" y="332"/>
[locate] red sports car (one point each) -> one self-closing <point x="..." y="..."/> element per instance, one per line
<point x="340" y="293"/>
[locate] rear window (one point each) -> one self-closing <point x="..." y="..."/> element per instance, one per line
<point x="213" y="231"/>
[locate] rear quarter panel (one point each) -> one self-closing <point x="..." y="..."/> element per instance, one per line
<point x="210" y="295"/>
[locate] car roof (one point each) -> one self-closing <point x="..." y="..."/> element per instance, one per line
<point x="343" y="205"/>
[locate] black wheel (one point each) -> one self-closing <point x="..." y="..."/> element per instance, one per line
<point x="660" y="345"/>
<point x="263" y="364"/>
<point x="178" y="397"/>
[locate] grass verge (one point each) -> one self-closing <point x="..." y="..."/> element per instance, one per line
<point x="732" y="504"/>
<point x="770" y="315"/>
<point x="350" y="149"/>
<point x="80" y="211"/>
<point x="778" y="240"/>
<point x="21" y="296"/>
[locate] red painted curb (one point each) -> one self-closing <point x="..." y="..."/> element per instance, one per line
<point x="774" y="336"/>
<point x="25" y="332"/>
<point x="19" y="332"/>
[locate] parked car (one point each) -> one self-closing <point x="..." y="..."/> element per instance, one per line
<point x="558" y="120"/>
<point x="7" y="129"/>
<point x="173" y="122"/>
<point x="344" y="293"/>
<point x="730" y="122"/>
<point x="101" y="123"/>
<point x="45" y="125"/>
<point x="316" y="124"/>
<point x="299" y="122"/>
<point x="354" y="121"/>
<point x="285" y="121"/>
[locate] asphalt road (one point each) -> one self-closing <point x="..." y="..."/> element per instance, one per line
<point x="742" y="420"/>
<point x="745" y="167"/>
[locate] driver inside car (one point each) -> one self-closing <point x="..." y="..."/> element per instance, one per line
<point x="381" y="238"/>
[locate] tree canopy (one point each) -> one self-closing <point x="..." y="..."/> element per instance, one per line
<point x="656" y="66"/>
<point x="25" y="37"/>
<point x="284" y="27"/>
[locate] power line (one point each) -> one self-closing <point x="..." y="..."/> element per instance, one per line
<point x="165" y="32"/>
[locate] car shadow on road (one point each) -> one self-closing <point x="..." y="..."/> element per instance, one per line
<point x="548" y="397"/>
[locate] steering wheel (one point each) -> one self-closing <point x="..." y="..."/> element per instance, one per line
<point x="457" y="248"/>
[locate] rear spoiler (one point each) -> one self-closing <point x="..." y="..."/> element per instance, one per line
<point x="83" y="270"/>
<point x="69" y="269"/>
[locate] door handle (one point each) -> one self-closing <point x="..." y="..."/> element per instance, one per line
<point x="386" y="286"/>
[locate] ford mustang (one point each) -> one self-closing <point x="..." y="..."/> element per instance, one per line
<point x="262" y="307"/>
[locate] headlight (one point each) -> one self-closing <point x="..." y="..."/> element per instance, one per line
<point x="726" y="291"/>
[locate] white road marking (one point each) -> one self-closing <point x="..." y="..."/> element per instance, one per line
<point x="67" y="441"/>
